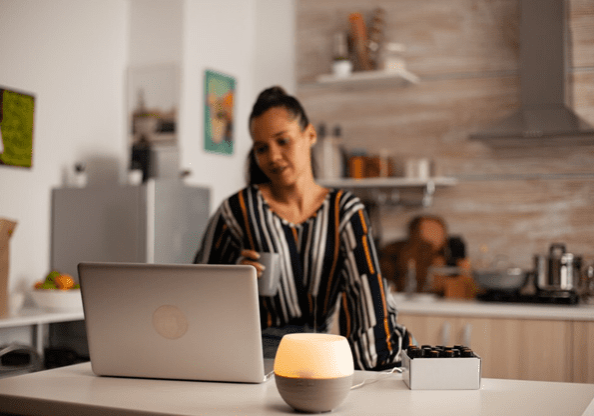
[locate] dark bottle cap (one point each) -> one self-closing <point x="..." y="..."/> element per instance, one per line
<point x="413" y="350"/>
<point x="433" y="354"/>
<point x="448" y="353"/>
<point x="321" y="130"/>
<point x="415" y="353"/>
<point x="467" y="353"/>
<point x="337" y="131"/>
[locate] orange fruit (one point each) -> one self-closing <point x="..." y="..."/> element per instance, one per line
<point x="64" y="281"/>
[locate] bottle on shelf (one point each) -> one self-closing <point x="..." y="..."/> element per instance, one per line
<point x="338" y="153"/>
<point x="411" y="277"/>
<point x="318" y="152"/>
<point x="328" y="154"/>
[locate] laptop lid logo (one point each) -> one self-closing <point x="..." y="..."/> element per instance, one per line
<point x="170" y="322"/>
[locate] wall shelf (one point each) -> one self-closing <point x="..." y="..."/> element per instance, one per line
<point x="382" y="191"/>
<point x="378" y="192"/>
<point x="402" y="77"/>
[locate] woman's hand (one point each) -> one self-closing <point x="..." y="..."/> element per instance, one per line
<point x="250" y="257"/>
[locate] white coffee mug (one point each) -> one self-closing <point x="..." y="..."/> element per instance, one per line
<point x="269" y="281"/>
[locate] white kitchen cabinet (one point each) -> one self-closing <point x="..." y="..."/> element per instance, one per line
<point x="524" y="349"/>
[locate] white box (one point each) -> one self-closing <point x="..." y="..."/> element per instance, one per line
<point x="460" y="373"/>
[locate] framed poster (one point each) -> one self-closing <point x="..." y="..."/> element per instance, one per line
<point x="16" y="128"/>
<point x="219" y="94"/>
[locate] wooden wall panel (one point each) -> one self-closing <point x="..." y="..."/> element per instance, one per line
<point x="517" y="201"/>
<point x="441" y="37"/>
<point x="581" y="26"/>
<point x="515" y="218"/>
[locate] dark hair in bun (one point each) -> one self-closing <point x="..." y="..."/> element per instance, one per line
<point x="273" y="97"/>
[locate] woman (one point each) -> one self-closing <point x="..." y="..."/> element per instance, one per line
<point x="329" y="261"/>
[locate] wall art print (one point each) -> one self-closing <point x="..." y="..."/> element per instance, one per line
<point x="16" y="128"/>
<point x="219" y="94"/>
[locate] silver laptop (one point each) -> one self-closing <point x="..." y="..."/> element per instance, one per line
<point x="188" y="322"/>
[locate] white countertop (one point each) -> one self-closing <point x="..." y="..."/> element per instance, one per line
<point x="76" y="390"/>
<point x="35" y="316"/>
<point x="425" y="305"/>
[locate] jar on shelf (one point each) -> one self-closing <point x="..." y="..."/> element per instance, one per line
<point x="357" y="163"/>
<point x="341" y="64"/>
<point x="393" y="57"/>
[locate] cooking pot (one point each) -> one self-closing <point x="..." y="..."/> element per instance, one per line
<point x="508" y="280"/>
<point x="559" y="271"/>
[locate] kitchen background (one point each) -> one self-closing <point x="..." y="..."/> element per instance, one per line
<point x="74" y="56"/>
<point x="512" y="201"/>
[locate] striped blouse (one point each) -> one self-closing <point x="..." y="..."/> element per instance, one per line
<point x="329" y="262"/>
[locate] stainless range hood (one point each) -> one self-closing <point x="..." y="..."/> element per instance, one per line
<point x="544" y="116"/>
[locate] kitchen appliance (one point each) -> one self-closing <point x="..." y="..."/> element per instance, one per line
<point x="545" y="114"/>
<point x="160" y="221"/>
<point x="555" y="280"/>
<point x="588" y="277"/>
<point x="562" y="270"/>
<point x="540" y="297"/>
<point x="509" y="280"/>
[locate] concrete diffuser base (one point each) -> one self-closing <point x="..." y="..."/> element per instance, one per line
<point x="313" y="395"/>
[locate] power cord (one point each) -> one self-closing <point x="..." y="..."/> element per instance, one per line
<point x="383" y="374"/>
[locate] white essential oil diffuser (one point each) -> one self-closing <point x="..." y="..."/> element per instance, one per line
<point x="313" y="372"/>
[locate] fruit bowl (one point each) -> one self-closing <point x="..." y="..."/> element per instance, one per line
<point x="57" y="300"/>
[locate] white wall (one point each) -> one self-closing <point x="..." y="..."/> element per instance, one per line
<point x="218" y="35"/>
<point x="74" y="55"/>
<point x="70" y="55"/>
<point x="156" y="32"/>
<point x="274" y="54"/>
<point x="251" y="40"/>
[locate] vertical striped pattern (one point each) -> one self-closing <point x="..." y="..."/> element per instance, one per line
<point x="328" y="257"/>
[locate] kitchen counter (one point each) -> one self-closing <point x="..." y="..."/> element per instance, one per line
<point x="36" y="316"/>
<point x="428" y="305"/>
<point x="38" y="320"/>
<point x="514" y="340"/>
<point x="83" y="393"/>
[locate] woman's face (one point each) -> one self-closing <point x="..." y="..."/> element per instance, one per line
<point x="281" y="148"/>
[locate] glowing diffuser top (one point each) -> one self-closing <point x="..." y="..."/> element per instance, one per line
<point x="313" y="356"/>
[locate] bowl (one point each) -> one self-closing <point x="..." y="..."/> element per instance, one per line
<point x="508" y="280"/>
<point x="57" y="300"/>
